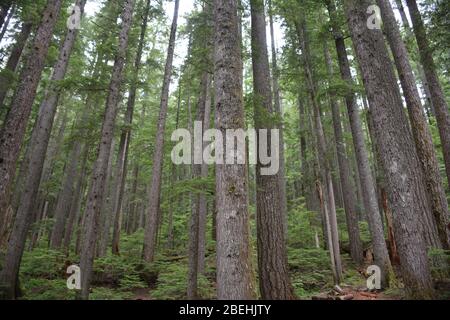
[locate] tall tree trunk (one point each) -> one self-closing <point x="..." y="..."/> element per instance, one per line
<point x="278" y="109"/>
<point x="155" y="189"/>
<point x="234" y="272"/>
<point x="106" y="210"/>
<point x="75" y="205"/>
<point x="397" y="151"/>
<point x="274" y="282"/>
<point x="121" y="169"/>
<point x="369" y="194"/>
<point x="6" y="76"/>
<point x="199" y="207"/>
<point x="437" y="95"/>
<point x="344" y="173"/>
<point x="11" y="137"/>
<point x="420" y="130"/>
<point x="173" y="178"/>
<point x="97" y="187"/>
<point x="203" y="204"/>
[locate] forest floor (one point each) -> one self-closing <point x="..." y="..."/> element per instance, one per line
<point x="126" y="277"/>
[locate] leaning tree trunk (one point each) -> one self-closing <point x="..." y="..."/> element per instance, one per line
<point x="274" y="282"/>
<point x="438" y="98"/>
<point x="11" y="137"/>
<point x="6" y="76"/>
<point x="97" y="186"/>
<point x="234" y="271"/>
<point x="40" y="139"/>
<point x="5" y="25"/>
<point x="399" y="160"/>
<point x="155" y="188"/>
<point x="369" y="193"/>
<point x="344" y="173"/>
<point x="420" y="130"/>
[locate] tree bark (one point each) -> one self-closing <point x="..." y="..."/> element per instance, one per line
<point x="97" y="187"/>
<point x="396" y="147"/>
<point x="274" y="282"/>
<point x="234" y="272"/>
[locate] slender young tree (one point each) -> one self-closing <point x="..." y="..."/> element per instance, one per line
<point x="151" y="225"/>
<point x="95" y="196"/>
<point x="399" y="160"/>
<point x="344" y="171"/>
<point x="278" y="109"/>
<point x="234" y="273"/>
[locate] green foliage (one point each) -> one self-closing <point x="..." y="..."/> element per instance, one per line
<point x="42" y="263"/>
<point x="310" y="270"/>
<point x="172" y="282"/>
<point x="45" y="289"/>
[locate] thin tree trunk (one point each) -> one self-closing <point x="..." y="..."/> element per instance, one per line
<point x="106" y="211"/>
<point x="97" y="187"/>
<point x="173" y="177"/>
<point x="75" y="205"/>
<point x="278" y="109"/>
<point x="155" y="189"/>
<point x="6" y="76"/>
<point x="397" y="151"/>
<point x="344" y="172"/>
<point x="203" y="204"/>
<point x="234" y="272"/>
